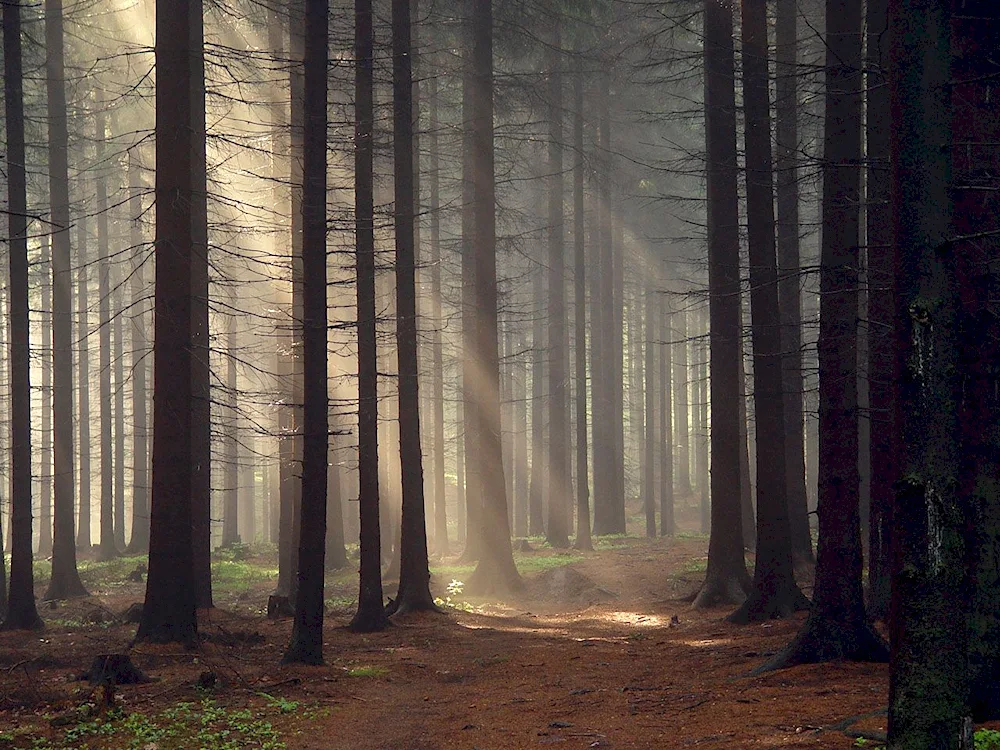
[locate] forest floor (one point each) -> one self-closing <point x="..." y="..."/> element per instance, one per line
<point x="599" y="651"/>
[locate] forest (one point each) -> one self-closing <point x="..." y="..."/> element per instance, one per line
<point x="431" y="374"/>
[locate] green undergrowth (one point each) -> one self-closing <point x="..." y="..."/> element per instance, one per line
<point x="205" y="725"/>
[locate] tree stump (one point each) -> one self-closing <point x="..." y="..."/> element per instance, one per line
<point x="279" y="606"/>
<point x="116" y="669"/>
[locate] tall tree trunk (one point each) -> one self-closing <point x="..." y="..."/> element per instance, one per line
<point x="20" y="612"/>
<point x="336" y="553"/>
<point x="107" y="549"/>
<point x="789" y="302"/>
<point x="557" y="532"/>
<point x="583" y="540"/>
<point x="664" y="435"/>
<point x="65" y="581"/>
<point x="976" y="225"/>
<point x="307" y="628"/>
<point x="540" y="479"/>
<point x="441" y="546"/>
<point x="652" y="331"/>
<point x="83" y="541"/>
<point x="45" y="478"/>
<point x="704" y="480"/>
<point x="168" y="614"/>
<point x="496" y="571"/>
<point x="883" y="444"/>
<point x="774" y="593"/>
<point x="681" y="421"/>
<point x="370" y="615"/>
<point x="139" y="541"/>
<point x="928" y="690"/>
<point x="726" y="580"/>
<point x="837" y="627"/>
<point x="118" y="357"/>
<point x="520" y="493"/>
<point x="200" y="360"/>
<point x="746" y="481"/>
<point x="414" y="592"/>
<point x="230" y="460"/>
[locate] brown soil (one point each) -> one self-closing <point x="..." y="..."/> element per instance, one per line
<point x="610" y="658"/>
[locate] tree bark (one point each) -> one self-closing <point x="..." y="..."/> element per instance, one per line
<point x="665" y="436"/>
<point x="65" y="581"/>
<point x="726" y="580"/>
<point x="928" y="690"/>
<point x="775" y="593"/>
<point x="370" y="615"/>
<point x="540" y="479"/>
<point x="107" y="549"/>
<point x="414" y="592"/>
<point x="837" y="627"/>
<point x="583" y="540"/>
<point x="652" y="331"/>
<point x="83" y="539"/>
<point x="231" y="459"/>
<point x="495" y="572"/>
<point x="20" y="613"/>
<point x="881" y="315"/>
<point x="45" y="478"/>
<point x="139" y="541"/>
<point x="168" y="614"/>
<point x="557" y="531"/>
<point x="307" y="627"/>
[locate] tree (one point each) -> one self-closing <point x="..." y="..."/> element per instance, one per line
<point x="665" y="441"/>
<point x="107" y="550"/>
<point x="21" y="613"/>
<point x="231" y="481"/>
<point x="414" y="593"/>
<point x="774" y="593"/>
<point x="649" y="370"/>
<point x="307" y="628"/>
<point x="139" y="542"/>
<point x="45" y="485"/>
<point x="928" y="690"/>
<point x="557" y="533"/>
<point x="789" y="297"/>
<point x="726" y="580"/>
<point x="495" y="571"/>
<point x="881" y="314"/>
<point x="168" y="614"/>
<point x="837" y="626"/>
<point x="83" y="540"/>
<point x="65" y="581"/>
<point x="583" y="540"/>
<point x="370" y="615"/>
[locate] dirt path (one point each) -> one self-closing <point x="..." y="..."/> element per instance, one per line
<point x="599" y="654"/>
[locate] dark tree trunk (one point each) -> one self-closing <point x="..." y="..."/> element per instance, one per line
<point x="681" y="427"/>
<point x="168" y="614"/>
<point x="837" y="627"/>
<point x="45" y="478"/>
<point x="665" y="436"/>
<point x="307" y="628"/>
<point x="371" y="615"/>
<point x="83" y="540"/>
<point x="230" y="459"/>
<point x="474" y="492"/>
<point x="881" y="320"/>
<point x="539" y="450"/>
<point x="21" y="612"/>
<point x="277" y="492"/>
<point x="557" y="531"/>
<point x="496" y="572"/>
<point x="414" y="592"/>
<point x="775" y="593"/>
<point x="139" y="541"/>
<point x="441" y="546"/>
<point x="520" y="491"/>
<point x="928" y="691"/>
<point x="200" y="360"/>
<point x="652" y="331"/>
<point x="65" y="581"/>
<point x="976" y="225"/>
<point x="789" y="302"/>
<point x="726" y="580"/>
<point x="704" y="481"/>
<point x="117" y="356"/>
<point x="336" y="554"/>
<point x="460" y="486"/>
<point x="580" y="324"/>
<point x="746" y="481"/>
<point x="107" y="549"/>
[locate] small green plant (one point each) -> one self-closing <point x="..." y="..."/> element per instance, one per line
<point x="283" y="705"/>
<point x="987" y="739"/>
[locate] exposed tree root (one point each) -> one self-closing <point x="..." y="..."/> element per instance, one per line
<point x="720" y="590"/>
<point x="823" y="639"/>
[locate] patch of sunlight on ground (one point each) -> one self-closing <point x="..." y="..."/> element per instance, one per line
<point x="708" y="642"/>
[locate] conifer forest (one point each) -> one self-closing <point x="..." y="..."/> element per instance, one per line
<point x="490" y="374"/>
